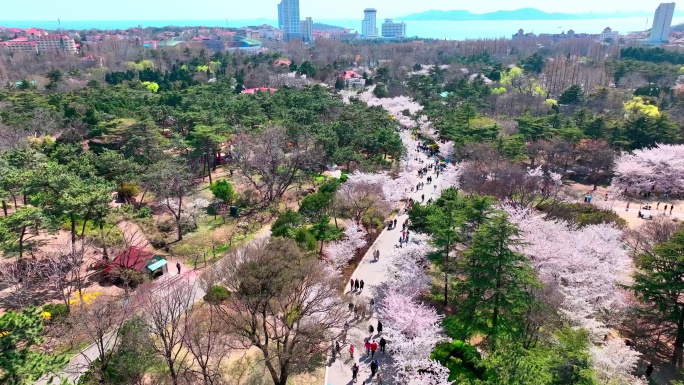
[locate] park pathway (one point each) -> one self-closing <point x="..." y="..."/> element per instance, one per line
<point x="374" y="273"/>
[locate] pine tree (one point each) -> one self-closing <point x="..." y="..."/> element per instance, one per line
<point x="659" y="285"/>
<point x="19" y="363"/>
<point x="495" y="282"/>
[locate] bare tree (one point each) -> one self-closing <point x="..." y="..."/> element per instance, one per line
<point x="358" y="199"/>
<point x="170" y="181"/>
<point x="167" y="313"/>
<point x="643" y="239"/>
<point x="100" y="322"/>
<point x="282" y="302"/>
<point x="207" y="341"/>
<point x="272" y="162"/>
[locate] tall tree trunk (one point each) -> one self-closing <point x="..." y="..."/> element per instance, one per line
<point x="446" y="274"/>
<point x="207" y="157"/>
<point x="72" y="218"/>
<point x="105" y="255"/>
<point x="4" y="207"/>
<point x="178" y="219"/>
<point x="21" y="242"/>
<point x="679" y="341"/>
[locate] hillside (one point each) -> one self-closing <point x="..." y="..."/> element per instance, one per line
<point x="518" y="14"/>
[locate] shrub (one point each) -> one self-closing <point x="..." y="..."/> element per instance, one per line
<point x="217" y="294"/>
<point x="581" y="214"/>
<point x="58" y="311"/>
<point x="144" y="212"/>
<point x="462" y="359"/>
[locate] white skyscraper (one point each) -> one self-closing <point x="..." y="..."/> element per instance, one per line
<point x="368" y="25"/>
<point x="660" y="31"/>
<point x="306" y="27"/>
<point x="288" y="19"/>
<point x="392" y="29"/>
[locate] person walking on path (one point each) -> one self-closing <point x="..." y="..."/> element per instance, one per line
<point x="361" y="285"/>
<point x="373" y="368"/>
<point x="178" y="266"/>
<point x="665" y="209"/>
<point x="649" y="370"/>
<point x="383" y="342"/>
<point x="355" y="371"/>
<point x="356" y="284"/>
<point x="379" y="327"/>
<point x="338" y="350"/>
<point x="658" y="205"/>
<point x="671" y="207"/>
<point x="379" y="378"/>
<point x="374" y="347"/>
<point x="371" y="330"/>
<point x="351" y="351"/>
<point x="367" y="345"/>
<point x="351" y="285"/>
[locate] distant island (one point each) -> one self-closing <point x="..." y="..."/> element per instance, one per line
<point x="326" y="27"/>
<point x="519" y="14"/>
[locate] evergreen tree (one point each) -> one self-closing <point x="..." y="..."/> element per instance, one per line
<point x="572" y="95"/>
<point x="20" y="364"/>
<point x="659" y="286"/>
<point x="495" y="282"/>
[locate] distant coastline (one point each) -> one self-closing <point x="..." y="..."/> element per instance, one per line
<point x="519" y="14"/>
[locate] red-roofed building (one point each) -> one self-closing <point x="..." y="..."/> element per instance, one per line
<point x="140" y="260"/>
<point x="282" y="62"/>
<point x="260" y="89"/>
<point x="352" y="79"/>
<point x="39" y="41"/>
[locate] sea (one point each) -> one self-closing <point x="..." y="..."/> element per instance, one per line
<point x="451" y="30"/>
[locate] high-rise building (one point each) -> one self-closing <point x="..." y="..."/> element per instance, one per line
<point x="288" y="19"/>
<point x="368" y="25"/>
<point x="392" y="29"/>
<point x="660" y="31"/>
<point x="306" y="28"/>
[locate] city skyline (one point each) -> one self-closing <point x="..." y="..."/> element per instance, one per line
<point x="267" y="9"/>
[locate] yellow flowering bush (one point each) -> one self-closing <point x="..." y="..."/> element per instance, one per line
<point x="86" y="298"/>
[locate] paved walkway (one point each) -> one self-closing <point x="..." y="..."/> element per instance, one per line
<point x="373" y="273"/>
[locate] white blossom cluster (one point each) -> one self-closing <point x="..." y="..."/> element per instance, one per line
<point x="339" y="253"/>
<point x="659" y="169"/>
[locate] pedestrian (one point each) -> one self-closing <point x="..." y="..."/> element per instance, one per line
<point x="371" y="329"/>
<point x="401" y="240"/>
<point x="374" y="347"/>
<point x="657" y="205"/>
<point x="379" y="327"/>
<point x="406" y="239"/>
<point x="649" y="369"/>
<point x="338" y="349"/>
<point x="627" y="209"/>
<point x="367" y="345"/>
<point x="178" y="266"/>
<point x="379" y="378"/>
<point x="671" y="207"/>
<point x="361" y="285"/>
<point x="343" y="337"/>
<point x="346" y="325"/>
<point x="395" y="223"/>
<point x="372" y="303"/>
<point x="356" y="284"/>
<point x="422" y="198"/>
<point x="351" y="285"/>
<point x="377" y="254"/>
<point x="351" y="351"/>
<point x="639" y="214"/>
<point x="355" y="371"/>
<point x="373" y="368"/>
<point x="665" y="209"/>
<point x="351" y="307"/>
<point x="383" y="342"/>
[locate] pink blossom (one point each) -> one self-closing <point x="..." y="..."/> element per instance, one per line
<point x="421" y="372"/>
<point x="614" y="362"/>
<point x="340" y="252"/>
<point x="659" y="169"/>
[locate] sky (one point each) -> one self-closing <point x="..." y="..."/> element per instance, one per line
<point x="13" y="10"/>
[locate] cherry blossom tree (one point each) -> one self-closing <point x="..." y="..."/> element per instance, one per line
<point x="659" y="170"/>
<point x="339" y="253"/>
<point x="614" y="362"/>
<point x="421" y="372"/>
<point x="407" y="271"/>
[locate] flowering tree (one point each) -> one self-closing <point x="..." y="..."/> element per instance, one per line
<point x="421" y="372"/>
<point x="340" y="252"/>
<point x="659" y="170"/>
<point x="407" y="274"/>
<point x="587" y="265"/>
<point x="613" y="363"/>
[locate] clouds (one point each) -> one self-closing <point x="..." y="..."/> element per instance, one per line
<point x="237" y="9"/>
